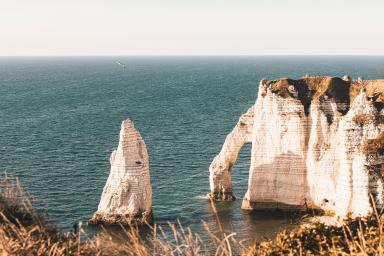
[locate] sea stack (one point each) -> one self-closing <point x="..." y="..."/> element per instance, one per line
<point x="317" y="142"/>
<point x="127" y="195"/>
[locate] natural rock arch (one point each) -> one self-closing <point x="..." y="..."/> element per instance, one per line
<point x="220" y="169"/>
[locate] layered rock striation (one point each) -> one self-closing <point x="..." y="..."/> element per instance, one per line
<point x="127" y="195"/>
<point x="317" y="142"/>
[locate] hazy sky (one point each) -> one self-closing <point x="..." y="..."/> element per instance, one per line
<point x="187" y="27"/>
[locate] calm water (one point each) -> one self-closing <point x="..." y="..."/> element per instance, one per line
<point x="60" y="120"/>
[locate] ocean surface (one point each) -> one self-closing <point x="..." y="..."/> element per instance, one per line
<point x="60" y="119"/>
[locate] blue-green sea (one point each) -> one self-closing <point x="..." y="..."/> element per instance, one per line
<point x="60" y="119"/>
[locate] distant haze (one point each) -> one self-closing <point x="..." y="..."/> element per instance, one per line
<point x="190" y="27"/>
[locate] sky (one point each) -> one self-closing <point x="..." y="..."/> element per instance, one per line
<point x="190" y="27"/>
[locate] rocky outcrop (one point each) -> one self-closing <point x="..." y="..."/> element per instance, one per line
<point x="311" y="142"/>
<point x="127" y="195"/>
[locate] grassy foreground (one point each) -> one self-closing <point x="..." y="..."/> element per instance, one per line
<point x="26" y="231"/>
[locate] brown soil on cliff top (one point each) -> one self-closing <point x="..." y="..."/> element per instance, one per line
<point x="312" y="88"/>
<point x="372" y="87"/>
<point x="374" y="145"/>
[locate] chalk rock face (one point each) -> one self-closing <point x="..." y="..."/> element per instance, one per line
<point x="360" y="167"/>
<point x="317" y="142"/>
<point x="127" y="195"/>
<point x="220" y="168"/>
<point x="278" y="174"/>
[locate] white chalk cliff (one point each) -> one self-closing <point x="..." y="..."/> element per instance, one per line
<point x="317" y="142"/>
<point x="127" y="195"/>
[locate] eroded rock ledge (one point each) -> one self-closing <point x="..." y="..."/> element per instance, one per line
<point x="317" y="142"/>
<point x="127" y="195"/>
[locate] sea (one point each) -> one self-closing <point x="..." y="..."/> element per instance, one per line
<point x="60" y="119"/>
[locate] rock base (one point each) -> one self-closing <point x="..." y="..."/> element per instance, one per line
<point x="221" y="196"/>
<point x="273" y="206"/>
<point x="125" y="220"/>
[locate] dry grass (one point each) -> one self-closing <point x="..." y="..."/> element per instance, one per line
<point x="355" y="237"/>
<point x="24" y="231"/>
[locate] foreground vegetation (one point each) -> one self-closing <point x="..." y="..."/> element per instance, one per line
<point x="26" y="231"/>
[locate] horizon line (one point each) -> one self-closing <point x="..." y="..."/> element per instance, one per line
<point x="199" y="55"/>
